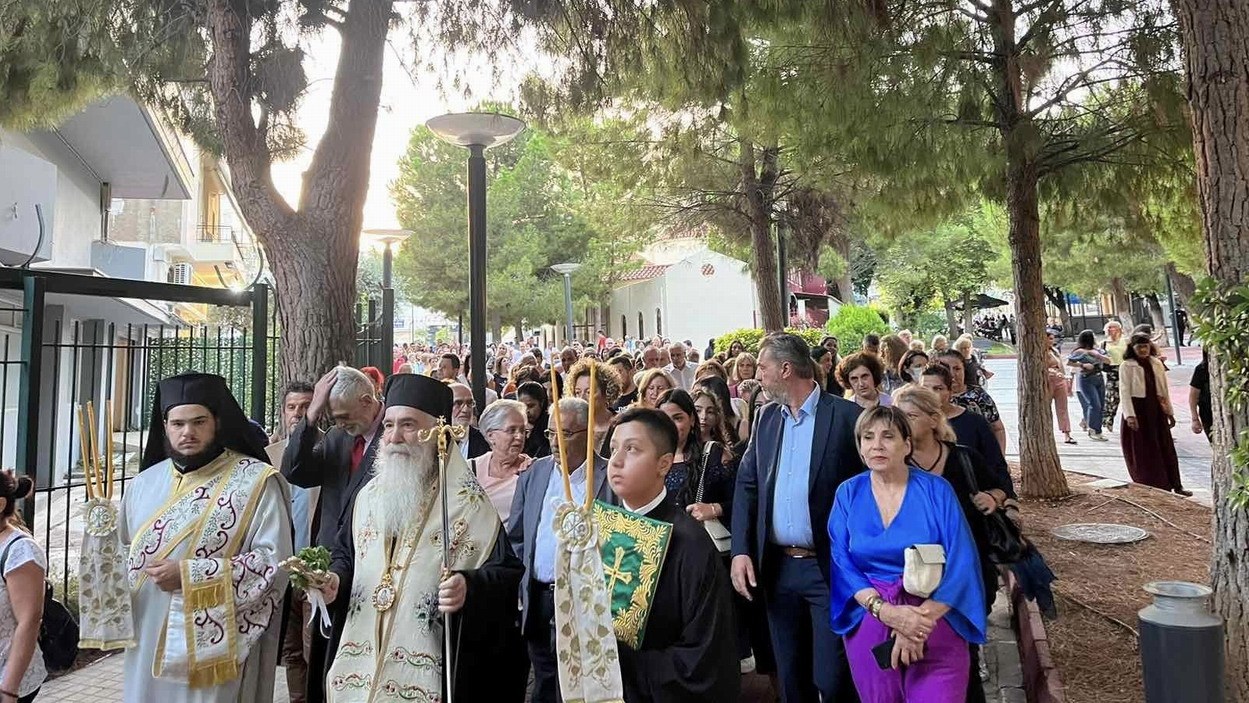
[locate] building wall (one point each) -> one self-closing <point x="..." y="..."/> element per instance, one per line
<point x="692" y="306"/>
<point x="76" y="219"/>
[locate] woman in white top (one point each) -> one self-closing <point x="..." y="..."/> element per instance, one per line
<point x="21" y="598"/>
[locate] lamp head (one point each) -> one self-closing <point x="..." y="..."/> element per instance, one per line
<point x="484" y="129"/>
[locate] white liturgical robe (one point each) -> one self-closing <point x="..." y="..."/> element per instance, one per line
<point x="228" y="524"/>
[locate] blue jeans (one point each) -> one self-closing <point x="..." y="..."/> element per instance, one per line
<point x="1091" y="390"/>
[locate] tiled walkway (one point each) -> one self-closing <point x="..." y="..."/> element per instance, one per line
<point x="101" y="682"/>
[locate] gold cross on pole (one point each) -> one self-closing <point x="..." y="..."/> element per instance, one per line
<point x="614" y="573"/>
<point x="444" y="433"/>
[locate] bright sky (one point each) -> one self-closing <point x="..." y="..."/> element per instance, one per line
<point x="407" y="101"/>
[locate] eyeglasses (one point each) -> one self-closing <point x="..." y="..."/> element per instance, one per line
<point x="470" y="403"/>
<point x="514" y="431"/>
<point x="568" y="436"/>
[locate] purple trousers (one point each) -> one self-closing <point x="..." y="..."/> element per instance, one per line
<point x="940" y="677"/>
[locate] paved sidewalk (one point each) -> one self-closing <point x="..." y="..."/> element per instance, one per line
<point x="1106" y="458"/>
<point x="101" y="682"/>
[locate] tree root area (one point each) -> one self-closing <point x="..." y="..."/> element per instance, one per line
<point x="1099" y="587"/>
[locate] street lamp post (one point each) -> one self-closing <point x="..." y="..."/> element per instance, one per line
<point x="389" y="239"/>
<point x="567" y="271"/>
<point x="476" y="131"/>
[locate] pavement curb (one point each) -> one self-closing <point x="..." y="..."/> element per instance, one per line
<point x="1041" y="681"/>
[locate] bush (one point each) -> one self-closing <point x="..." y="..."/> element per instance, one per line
<point x="853" y="322"/>
<point x="751" y="338"/>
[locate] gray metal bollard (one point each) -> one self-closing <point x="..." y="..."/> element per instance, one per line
<point x="1181" y="645"/>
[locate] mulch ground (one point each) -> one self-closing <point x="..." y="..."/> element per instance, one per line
<point x="1099" y="588"/>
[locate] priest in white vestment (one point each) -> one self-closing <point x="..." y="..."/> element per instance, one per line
<point x="391" y="552"/>
<point x="204" y="525"/>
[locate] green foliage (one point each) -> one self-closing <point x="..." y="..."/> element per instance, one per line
<point x="1222" y="316"/>
<point x="854" y="322"/>
<point x="940" y="265"/>
<point x="751" y="338"/>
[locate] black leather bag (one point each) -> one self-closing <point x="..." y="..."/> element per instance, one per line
<point x="1007" y="544"/>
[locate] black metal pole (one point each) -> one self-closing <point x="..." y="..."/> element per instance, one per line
<point x="29" y="387"/>
<point x="260" y="349"/>
<point x="477" y="271"/>
<point x="388" y="262"/>
<point x="1175" y="320"/>
<point x="388" y="331"/>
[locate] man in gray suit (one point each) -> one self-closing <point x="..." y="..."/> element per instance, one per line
<point x="533" y="540"/>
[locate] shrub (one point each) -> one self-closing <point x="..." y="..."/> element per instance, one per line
<point x="853" y="322"/>
<point x="751" y="338"/>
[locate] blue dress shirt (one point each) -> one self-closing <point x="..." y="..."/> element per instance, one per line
<point x="544" y="540"/>
<point x="791" y="513"/>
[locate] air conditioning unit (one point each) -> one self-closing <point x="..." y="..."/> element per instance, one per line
<point x="182" y="274"/>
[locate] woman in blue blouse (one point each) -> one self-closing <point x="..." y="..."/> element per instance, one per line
<point x="876" y="516"/>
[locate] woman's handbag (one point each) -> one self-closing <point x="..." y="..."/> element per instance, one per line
<point x="716" y="529"/>
<point x="923" y="565"/>
<point x="1007" y="544"/>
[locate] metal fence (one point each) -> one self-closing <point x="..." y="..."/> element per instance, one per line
<point x="53" y="366"/>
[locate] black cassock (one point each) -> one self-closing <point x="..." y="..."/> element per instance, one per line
<point x="490" y="663"/>
<point x="689" y="650"/>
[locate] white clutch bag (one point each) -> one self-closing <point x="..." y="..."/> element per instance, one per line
<point x="923" y="565"/>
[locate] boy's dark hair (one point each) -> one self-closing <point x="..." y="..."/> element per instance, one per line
<point x="662" y="431"/>
<point x="455" y="360"/>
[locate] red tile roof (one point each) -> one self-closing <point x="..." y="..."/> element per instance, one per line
<point x="645" y="273"/>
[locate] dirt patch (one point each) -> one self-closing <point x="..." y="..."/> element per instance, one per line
<point x="1098" y="658"/>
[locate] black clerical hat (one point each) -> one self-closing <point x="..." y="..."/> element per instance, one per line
<point x="234" y="430"/>
<point x="420" y="392"/>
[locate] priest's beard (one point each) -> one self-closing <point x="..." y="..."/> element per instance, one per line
<point x="190" y="462"/>
<point x="404" y="475"/>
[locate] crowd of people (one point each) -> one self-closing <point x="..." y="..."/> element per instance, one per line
<point x="829" y="507"/>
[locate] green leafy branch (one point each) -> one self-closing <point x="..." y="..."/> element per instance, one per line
<point x="1222" y="313"/>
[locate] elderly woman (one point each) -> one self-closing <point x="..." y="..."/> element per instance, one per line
<point x="504" y="425"/>
<point x="605" y="395"/>
<point x="654" y="383"/>
<point x="861" y="374"/>
<point x="870" y="533"/>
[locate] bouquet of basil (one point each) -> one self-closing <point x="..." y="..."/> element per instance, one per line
<point x="310" y="568"/>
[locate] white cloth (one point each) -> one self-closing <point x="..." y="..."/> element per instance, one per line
<point x="684" y="376"/>
<point x="255" y="586"/>
<point x="1132" y="383"/>
<point x="23" y="551"/>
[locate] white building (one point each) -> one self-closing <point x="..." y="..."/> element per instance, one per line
<point x="683" y="290"/>
<point x="112" y="192"/>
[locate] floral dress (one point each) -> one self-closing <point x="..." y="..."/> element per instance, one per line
<point x="978" y="401"/>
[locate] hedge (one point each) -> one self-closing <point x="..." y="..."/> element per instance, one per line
<point x="750" y="338"/>
<point x="854" y="322"/>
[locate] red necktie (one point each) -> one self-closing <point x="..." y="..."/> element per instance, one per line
<point x="357" y="453"/>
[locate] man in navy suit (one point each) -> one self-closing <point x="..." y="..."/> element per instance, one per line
<point x="802" y="449"/>
<point x="533" y="540"/>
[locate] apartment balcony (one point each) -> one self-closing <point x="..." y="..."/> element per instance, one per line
<point x="213" y="244"/>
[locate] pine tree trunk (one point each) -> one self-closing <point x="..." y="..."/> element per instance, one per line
<point x="1123" y="303"/>
<point x="758" y="177"/>
<point x="1183" y="284"/>
<point x="1043" y="476"/>
<point x="951" y="319"/>
<point x="1157" y="319"/>
<point x="845" y="282"/>
<point x="313" y="251"/>
<point x="1217" y="64"/>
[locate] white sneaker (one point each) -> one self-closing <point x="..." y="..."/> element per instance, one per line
<point x="748" y="664"/>
<point x="1099" y="437"/>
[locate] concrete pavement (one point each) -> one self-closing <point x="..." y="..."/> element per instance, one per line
<point x="1106" y="458"/>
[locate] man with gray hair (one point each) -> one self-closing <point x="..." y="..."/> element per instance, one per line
<point x="340" y="464"/>
<point x="532" y="538"/>
<point x="802" y="449"/>
<point x="679" y="367"/>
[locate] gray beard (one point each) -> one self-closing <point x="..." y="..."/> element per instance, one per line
<point x="404" y="475"/>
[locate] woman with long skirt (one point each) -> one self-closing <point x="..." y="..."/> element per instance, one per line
<point x="1148" y="448"/>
